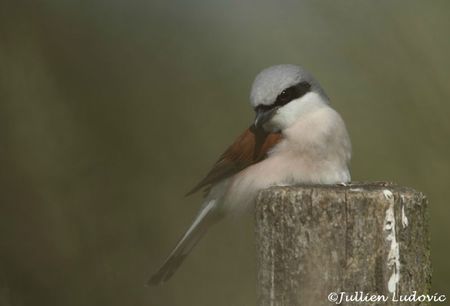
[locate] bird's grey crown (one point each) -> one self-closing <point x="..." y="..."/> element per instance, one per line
<point x="270" y="82"/>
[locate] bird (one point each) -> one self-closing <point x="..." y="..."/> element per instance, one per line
<point x="295" y="138"/>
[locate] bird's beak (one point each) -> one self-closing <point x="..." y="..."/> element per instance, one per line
<point x="262" y="116"/>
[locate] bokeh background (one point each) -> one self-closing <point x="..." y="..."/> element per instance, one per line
<point x="111" y="110"/>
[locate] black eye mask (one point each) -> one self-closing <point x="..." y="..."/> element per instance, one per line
<point x="287" y="95"/>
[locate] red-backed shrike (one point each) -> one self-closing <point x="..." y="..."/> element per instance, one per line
<point x="296" y="138"/>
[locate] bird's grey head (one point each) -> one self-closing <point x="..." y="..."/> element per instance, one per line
<point x="277" y="95"/>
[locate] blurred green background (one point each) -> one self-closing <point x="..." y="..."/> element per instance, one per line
<point x="111" y="110"/>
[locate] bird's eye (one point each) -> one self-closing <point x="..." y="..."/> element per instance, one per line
<point x="292" y="93"/>
<point x="286" y="95"/>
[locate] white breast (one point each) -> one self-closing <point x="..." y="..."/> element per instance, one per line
<point x="315" y="150"/>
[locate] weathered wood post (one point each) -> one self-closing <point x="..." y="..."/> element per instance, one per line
<point x="371" y="239"/>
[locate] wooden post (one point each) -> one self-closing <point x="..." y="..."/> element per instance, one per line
<point x="363" y="239"/>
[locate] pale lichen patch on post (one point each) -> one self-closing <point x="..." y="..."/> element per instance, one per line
<point x="404" y="217"/>
<point x="393" y="259"/>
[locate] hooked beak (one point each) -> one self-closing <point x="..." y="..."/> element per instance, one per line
<point x="263" y="116"/>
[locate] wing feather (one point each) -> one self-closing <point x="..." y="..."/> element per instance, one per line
<point x="249" y="148"/>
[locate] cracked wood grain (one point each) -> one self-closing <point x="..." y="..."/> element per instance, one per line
<point x="313" y="240"/>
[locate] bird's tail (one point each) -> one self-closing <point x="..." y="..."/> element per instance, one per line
<point x="206" y="217"/>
